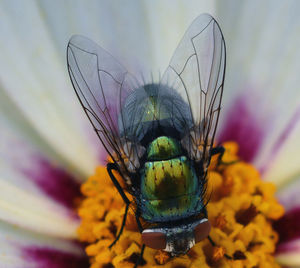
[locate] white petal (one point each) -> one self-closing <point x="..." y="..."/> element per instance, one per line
<point x="34" y="76"/>
<point x="290" y="257"/>
<point x="34" y="212"/>
<point x="288" y="193"/>
<point x="167" y="22"/>
<point x="24" y="201"/>
<point x="262" y="64"/>
<point x="284" y="164"/>
<point x="141" y="34"/>
<point x="19" y="140"/>
<point x="16" y="246"/>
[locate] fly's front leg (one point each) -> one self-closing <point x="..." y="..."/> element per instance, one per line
<point x="140" y="260"/>
<point x="220" y="150"/>
<point x="110" y="167"/>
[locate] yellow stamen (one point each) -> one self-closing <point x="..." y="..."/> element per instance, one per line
<point x="241" y="210"/>
<point x="220" y="221"/>
<point x="161" y="257"/>
<point x="218" y="253"/>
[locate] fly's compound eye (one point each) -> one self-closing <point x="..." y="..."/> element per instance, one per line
<point x="201" y="231"/>
<point x="153" y="239"/>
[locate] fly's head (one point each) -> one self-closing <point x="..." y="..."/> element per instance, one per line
<point x="177" y="240"/>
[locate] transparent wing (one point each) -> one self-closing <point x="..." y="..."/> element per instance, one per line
<point x="101" y="84"/>
<point x="196" y="71"/>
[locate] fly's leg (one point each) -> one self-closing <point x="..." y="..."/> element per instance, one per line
<point x="204" y="210"/>
<point x="220" y="150"/>
<point x="110" y="167"/>
<point x="137" y="218"/>
<point x="214" y="245"/>
<point x="122" y="226"/>
<point x="211" y="241"/>
<point x="140" y="259"/>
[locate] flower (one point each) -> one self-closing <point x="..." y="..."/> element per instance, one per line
<point x="46" y="154"/>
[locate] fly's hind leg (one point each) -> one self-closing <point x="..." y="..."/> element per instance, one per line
<point x="110" y="167"/>
<point x="140" y="260"/>
<point x="220" y="150"/>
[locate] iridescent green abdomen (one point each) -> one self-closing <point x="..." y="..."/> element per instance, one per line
<point x="169" y="184"/>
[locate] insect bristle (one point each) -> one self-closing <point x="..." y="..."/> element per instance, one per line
<point x="149" y="78"/>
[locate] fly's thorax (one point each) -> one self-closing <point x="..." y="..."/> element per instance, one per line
<point x="163" y="148"/>
<point x="169" y="184"/>
<point x="148" y="112"/>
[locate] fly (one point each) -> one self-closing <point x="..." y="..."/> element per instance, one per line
<point x="159" y="135"/>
